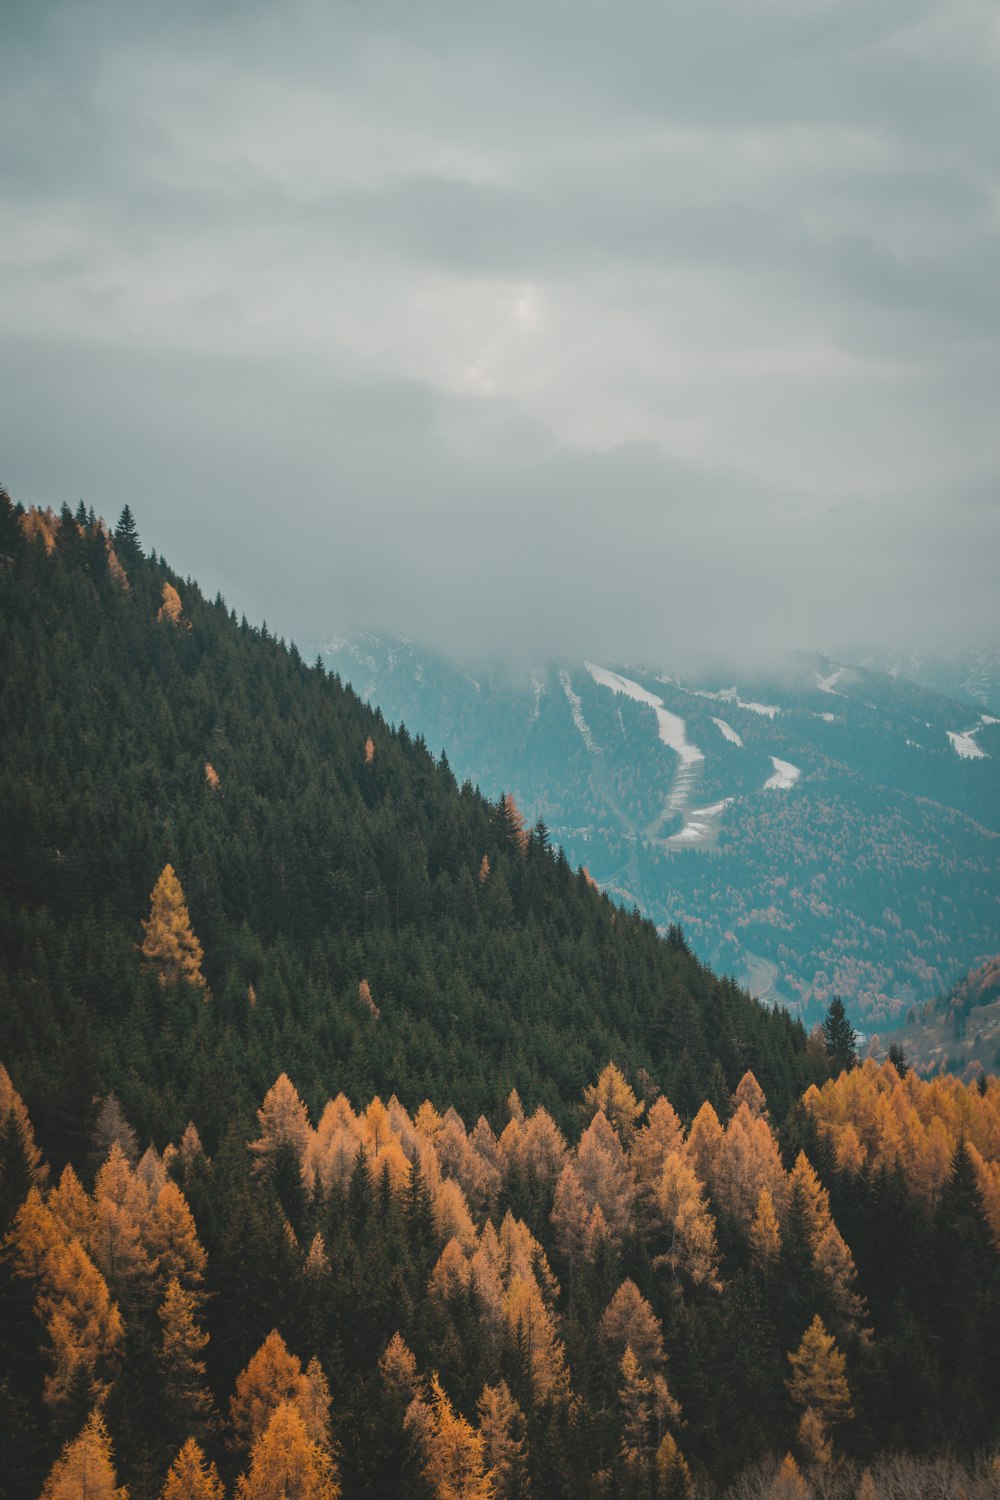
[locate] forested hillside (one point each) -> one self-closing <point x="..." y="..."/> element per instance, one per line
<point x="351" y="1143"/>
<point x="317" y="852"/>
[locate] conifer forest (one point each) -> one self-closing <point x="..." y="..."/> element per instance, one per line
<point x="354" y="1144"/>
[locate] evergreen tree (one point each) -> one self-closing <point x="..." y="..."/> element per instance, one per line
<point x="839" y="1036"/>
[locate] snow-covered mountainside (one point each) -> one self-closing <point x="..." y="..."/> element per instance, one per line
<point x="827" y="829"/>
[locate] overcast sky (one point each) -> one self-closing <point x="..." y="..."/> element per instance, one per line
<point x="554" y="327"/>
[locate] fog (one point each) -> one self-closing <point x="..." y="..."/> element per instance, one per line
<point x="626" y="331"/>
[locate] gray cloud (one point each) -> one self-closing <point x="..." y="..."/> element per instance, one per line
<point x="557" y="327"/>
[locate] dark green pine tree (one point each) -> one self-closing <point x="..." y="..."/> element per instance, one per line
<point x="127" y="536"/>
<point x="840" y="1036"/>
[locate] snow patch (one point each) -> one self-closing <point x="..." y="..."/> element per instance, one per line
<point x="785" y="775"/>
<point x="730" y="695"/>
<point x="729" y="733"/>
<point x="673" y="731"/>
<point x="576" y="709"/>
<point x="701" y="823"/>
<point x="825" y="684"/>
<point x="539" y="688"/>
<point x="964" y="744"/>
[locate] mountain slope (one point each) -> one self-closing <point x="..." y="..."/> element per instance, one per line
<point x="143" y="725"/>
<point x="826" y="830"/>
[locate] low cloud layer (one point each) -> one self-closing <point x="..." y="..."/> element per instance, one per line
<point x="630" y="330"/>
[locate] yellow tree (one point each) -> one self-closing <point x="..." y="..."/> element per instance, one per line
<point x="14" y="1121"/>
<point x="452" y="1450"/>
<point x="788" y="1483"/>
<point x="85" y="1469"/>
<point x="192" y="1476"/>
<point x="704" y="1141"/>
<point x="651" y="1145"/>
<point x="630" y="1322"/>
<point x="273" y="1376"/>
<point x="636" y="1396"/>
<point x="502" y="1425"/>
<point x="749" y="1092"/>
<point x="398" y="1371"/>
<point x="673" y="1477"/>
<point x="284" y="1126"/>
<point x="612" y="1094"/>
<point x="184" y="1373"/>
<point x="172" y="1239"/>
<point x="286" y="1465"/>
<point x="681" y="1200"/>
<point x="533" y="1328"/>
<point x="765" y="1236"/>
<point x="818" y="1382"/>
<point x="170" y="942"/>
<point x="84" y="1326"/>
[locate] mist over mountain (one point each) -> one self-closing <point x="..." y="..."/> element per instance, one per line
<point x="820" y="828"/>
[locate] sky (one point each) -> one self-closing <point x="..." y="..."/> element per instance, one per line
<point x="613" y="329"/>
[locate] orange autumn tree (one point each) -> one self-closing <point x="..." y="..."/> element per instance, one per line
<point x="285" y="1461"/>
<point x="452" y="1451"/>
<point x="85" y="1468"/>
<point x="818" y="1384"/>
<point x="192" y="1476"/>
<point x="170" y="942"/>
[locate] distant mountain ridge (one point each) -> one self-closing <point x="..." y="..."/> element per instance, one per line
<point x="823" y="829"/>
<point x="960" y="1031"/>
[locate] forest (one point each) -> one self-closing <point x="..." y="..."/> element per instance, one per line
<point x="351" y="1143"/>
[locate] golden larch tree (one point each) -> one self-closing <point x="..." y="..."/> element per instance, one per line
<point x="502" y="1425"/>
<point x="788" y="1483"/>
<point x="172" y="1239"/>
<point x="814" y="1441"/>
<point x="818" y="1381"/>
<point x="636" y="1397"/>
<point x="673" y="1477"/>
<point x="314" y="1404"/>
<point x="452" y="1451"/>
<point x="192" y="1476"/>
<point x="181" y="1359"/>
<point x="170" y="942"/>
<point x="651" y="1146"/>
<point x="612" y="1094"/>
<point x="286" y="1465"/>
<point x="533" y="1328"/>
<point x="84" y="1326"/>
<point x="85" y="1469"/>
<point x="693" y="1252"/>
<point x="14" y="1119"/>
<point x="704" y="1141"/>
<point x="284" y="1124"/>
<point x="629" y="1321"/>
<point x="273" y="1376"/>
<point x="70" y="1206"/>
<point x="367" y="999"/>
<point x="171" y="611"/>
<point x="397" y="1370"/>
<point x="749" y="1092"/>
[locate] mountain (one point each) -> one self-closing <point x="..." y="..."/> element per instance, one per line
<point x="353" y="1145"/>
<point x="142" y="725"/>
<point x="971" y="675"/>
<point x="820" y="829"/>
<point x="960" y="1030"/>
